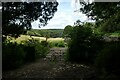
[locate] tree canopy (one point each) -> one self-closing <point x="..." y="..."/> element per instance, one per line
<point x="67" y="31"/>
<point x="106" y="14"/>
<point x="17" y="16"/>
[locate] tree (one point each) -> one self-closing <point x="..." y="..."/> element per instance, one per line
<point x="67" y="31"/>
<point x="17" y="16"/>
<point x="46" y="35"/>
<point x="79" y="43"/>
<point x="84" y="44"/>
<point x="106" y="14"/>
<point x="77" y="23"/>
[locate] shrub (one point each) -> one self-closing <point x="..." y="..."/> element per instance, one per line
<point x="34" y="49"/>
<point x="108" y="59"/>
<point x="30" y="54"/>
<point x="57" y="44"/>
<point x="84" y="45"/>
<point x="12" y="55"/>
<point x="61" y="44"/>
<point x="15" y="54"/>
<point x="41" y="51"/>
<point x="44" y="43"/>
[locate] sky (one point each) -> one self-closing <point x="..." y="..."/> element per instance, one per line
<point x="64" y="16"/>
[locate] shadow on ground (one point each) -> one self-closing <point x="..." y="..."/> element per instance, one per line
<point x="54" y="68"/>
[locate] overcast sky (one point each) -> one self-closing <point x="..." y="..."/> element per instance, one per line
<point x="64" y="16"/>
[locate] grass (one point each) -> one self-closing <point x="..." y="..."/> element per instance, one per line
<point x="115" y="34"/>
<point x="54" y="42"/>
<point x="26" y="37"/>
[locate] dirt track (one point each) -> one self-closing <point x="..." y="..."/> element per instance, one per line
<point x="53" y="66"/>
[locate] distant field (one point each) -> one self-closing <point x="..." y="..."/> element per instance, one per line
<point x="26" y="37"/>
<point x="53" y="33"/>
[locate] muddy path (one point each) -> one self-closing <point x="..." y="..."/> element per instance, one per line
<point x="53" y="66"/>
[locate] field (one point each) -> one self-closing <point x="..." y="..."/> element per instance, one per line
<point x="26" y="37"/>
<point x="53" y="42"/>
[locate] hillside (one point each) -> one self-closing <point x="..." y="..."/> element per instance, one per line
<point x="43" y="32"/>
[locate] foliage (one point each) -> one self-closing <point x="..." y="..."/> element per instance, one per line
<point x="77" y="23"/>
<point x="17" y="16"/>
<point x="74" y="47"/>
<point x="30" y="53"/>
<point x="12" y="55"/>
<point x="84" y="44"/>
<point x="112" y="24"/>
<point x="58" y="43"/>
<point x="41" y="51"/>
<point x="107" y="61"/>
<point x="32" y="33"/>
<point x="42" y="32"/>
<point x="44" y="43"/>
<point x="67" y="30"/>
<point x="38" y="49"/>
<point x="106" y="16"/>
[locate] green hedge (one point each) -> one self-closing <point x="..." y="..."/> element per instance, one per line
<point x="14" y="55"/>
<point x="107" y="61"/>
<point x="84" y="45"/>
<point x="36" y="49"/>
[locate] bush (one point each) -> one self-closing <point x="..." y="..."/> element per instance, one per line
<point x="15" y="54"/>
<point x="107" y="61"/>
<point x="57" y="44"/>
<point x="34" y="49"/>
<point x="61" y="44"/>
<point x="41" y="51"/>
<point x="30" y="54"/>
<point x="44" y="43"/>
<point x="84" y="45"/>
<point x="12" y="55"/>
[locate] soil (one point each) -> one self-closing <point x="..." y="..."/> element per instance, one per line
<point x="53" y="66"/>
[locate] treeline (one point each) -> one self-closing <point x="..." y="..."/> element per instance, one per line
<point x="88" y="46"/>
<point x="46" y="32"/>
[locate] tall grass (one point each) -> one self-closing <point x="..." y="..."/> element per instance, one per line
<point x="53" y="42"/>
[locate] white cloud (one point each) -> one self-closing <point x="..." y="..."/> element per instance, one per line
<point x="75" y="4"/>
<point x="63" y="0"/>
<point x="63" y="17"/>
<point x="60" y="20"/>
